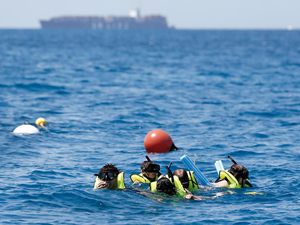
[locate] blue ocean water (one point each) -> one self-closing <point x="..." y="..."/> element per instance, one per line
<point x="216" y="92"/>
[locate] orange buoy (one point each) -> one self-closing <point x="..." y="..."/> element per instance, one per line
<point x="158" y="141"/>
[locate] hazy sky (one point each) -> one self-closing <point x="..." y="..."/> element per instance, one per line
<point x="180" y="13"/>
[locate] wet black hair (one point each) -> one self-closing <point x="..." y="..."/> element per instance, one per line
<point x="183" y="177"/>
<point x="240" y="173"/>
<point x="146" y="164"/>
<point x="164" y="185"/>
<point x="109" y="168"/>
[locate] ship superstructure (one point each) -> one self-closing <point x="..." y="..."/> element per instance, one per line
<point x="132" y="22"/>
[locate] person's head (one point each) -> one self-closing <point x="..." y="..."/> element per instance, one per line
<point x="150" y="169"/>
<point x="240" y="173"/>
<point x="109" y="174"/>
<point x="164" y="185"/>
<point x="183" y="177"/>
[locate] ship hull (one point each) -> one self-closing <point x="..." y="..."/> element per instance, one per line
<point x="105" y="23"/>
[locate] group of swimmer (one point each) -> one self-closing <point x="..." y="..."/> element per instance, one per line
<point x="180" y="183"/>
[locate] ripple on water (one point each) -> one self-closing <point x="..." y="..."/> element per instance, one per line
<point x="103" y="91"/>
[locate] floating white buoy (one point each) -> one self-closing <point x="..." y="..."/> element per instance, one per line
<point x="26" y="129"/>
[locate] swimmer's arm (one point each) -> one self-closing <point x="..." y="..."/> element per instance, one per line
<point x="197" y="198"/>
<point x="222" y="183"/>
<point x="136" y="182"/>
<point x="191" y="196"/>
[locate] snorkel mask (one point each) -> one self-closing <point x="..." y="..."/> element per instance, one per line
<point x="152" y="167"/>
<point x="106" y="176"/>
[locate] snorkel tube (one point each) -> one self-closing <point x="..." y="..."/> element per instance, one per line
<point x="232" y="160"/>
<point x="170" y="174"/>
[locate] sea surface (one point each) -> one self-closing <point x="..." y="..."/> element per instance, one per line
<point x="216" y="92"/>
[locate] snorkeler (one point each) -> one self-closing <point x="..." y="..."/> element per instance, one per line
<point x="150" y="172"/>
<point x="164" y="185"/>
<point x="109" y="177"/>
<point x="172" y="186"/>
<point x="235" y="177"/>
<point x="168" y="184"/>
<point x="187" y="179"/>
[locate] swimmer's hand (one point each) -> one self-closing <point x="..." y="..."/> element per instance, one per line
<point x="101" y="184"/>
<point x="191" y="196"/>
<point x="136" y="182"/>
<point x="161" y="176"/>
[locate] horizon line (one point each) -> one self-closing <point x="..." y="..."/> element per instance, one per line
<point x="212" y="28"/>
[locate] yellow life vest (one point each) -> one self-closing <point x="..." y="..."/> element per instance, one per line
<point x="193" y="185"/>
<point x="153" y="186"/>
<point x="179" y="187"/>
<point x="120" y="181"/>
<point x="233" y="183"/>
<point x="140" y="177"/>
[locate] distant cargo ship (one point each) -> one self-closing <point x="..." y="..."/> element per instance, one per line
<point x="132" y="22"/>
